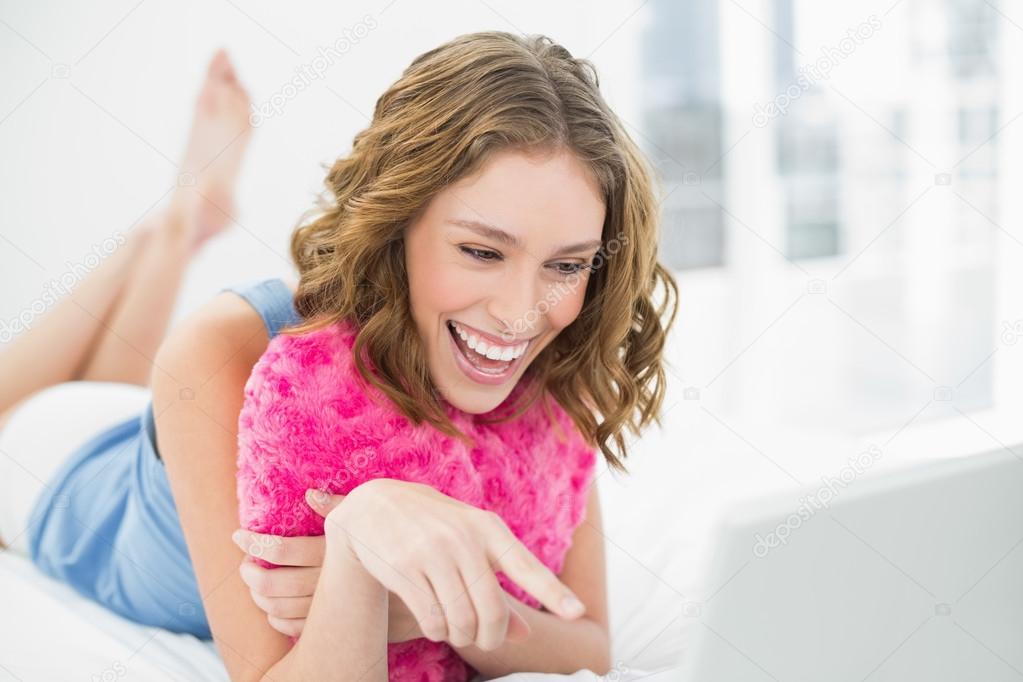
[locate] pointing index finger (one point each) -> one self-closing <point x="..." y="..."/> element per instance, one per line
<point x="529" y="573"/>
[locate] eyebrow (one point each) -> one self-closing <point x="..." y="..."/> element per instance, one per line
<point x="508" y="239"/>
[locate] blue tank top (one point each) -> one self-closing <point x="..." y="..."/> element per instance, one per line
<point x="106" y="523"/>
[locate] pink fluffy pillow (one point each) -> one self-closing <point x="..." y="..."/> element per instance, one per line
<point x="310" y="421"/>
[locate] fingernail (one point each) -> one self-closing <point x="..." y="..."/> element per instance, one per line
<point x="236" y="537"/>
<point x="310" y="497"/>
<point x="572" y="606"/>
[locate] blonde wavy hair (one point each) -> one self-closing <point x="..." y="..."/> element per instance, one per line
<point x="452" y="108"/>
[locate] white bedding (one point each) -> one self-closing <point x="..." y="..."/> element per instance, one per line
<point x="659" y="526"/>
<point x="48" y="632"/>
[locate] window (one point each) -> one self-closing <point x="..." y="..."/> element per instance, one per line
<point x="833" y="196"/>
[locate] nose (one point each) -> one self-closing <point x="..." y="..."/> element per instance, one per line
<point x="517" y="303"/>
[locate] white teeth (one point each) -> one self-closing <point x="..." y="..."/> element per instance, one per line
<point x="492" y="351"/>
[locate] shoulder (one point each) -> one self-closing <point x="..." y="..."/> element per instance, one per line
<point x="223" y="333"/>
<point x="199" y="372"/>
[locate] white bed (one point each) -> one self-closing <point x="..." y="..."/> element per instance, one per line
<point x="659" y="524"/>
<point x="49" y="632"/>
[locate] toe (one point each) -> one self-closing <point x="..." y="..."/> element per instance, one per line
<point x="220" y="66"/>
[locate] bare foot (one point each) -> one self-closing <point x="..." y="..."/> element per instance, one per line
<point x="204" y="199"/>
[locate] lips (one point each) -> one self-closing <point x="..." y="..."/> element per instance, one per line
<point x="478" y="367"/>
<point x="478" y="359"/>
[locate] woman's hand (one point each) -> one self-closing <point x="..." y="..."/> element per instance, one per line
<point x="438" y="555"/>
<point x="285" y="593"/>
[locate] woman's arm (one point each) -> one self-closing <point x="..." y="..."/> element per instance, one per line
<point x="556" y="645"/>
<point x="349" y="642"/>
<point x="198" y="388"/>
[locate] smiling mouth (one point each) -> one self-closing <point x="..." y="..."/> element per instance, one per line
<point x="476" y="352"/>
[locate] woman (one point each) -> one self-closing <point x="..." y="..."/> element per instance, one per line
<point x="491" y="171"/>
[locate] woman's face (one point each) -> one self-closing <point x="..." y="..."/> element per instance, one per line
<point x="495" y="267"/>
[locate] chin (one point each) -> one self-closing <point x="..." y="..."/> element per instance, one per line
<point x="477" y="401"/>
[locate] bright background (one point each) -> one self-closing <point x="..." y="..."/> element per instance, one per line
<point x="849" y="267"/>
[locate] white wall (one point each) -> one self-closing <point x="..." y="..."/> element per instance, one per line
<point x="95" y="103"/>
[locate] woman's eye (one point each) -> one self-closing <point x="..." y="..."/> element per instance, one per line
<point x="480" y="254"/>
<point x="570" y="268"/>
<point x="486" y="255"/>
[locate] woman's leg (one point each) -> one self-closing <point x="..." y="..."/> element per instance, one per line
<point x="110" y="327"/>
<point x="57" y="345"/>
<point x="218" y="139"/>
<point x="125" y="345"/>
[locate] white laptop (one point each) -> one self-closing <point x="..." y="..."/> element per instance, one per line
<point x="911" y="575"/>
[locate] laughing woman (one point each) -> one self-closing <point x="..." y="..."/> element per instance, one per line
<point x="409" y="434"/>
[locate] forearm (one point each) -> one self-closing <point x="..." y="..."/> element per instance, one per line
<point x="345" y="635"/>
<point x="554" y="645"/>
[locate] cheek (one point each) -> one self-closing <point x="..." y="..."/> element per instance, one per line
<point x="438" y="286"/>
<point x="568" y="307"/>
